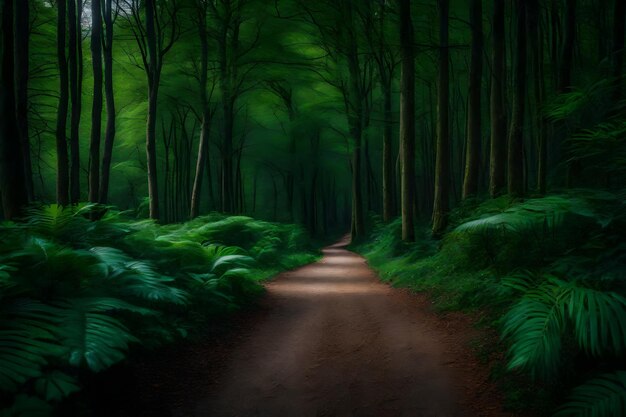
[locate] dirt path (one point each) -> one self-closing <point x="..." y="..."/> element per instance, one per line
<point x="329" y="340"/>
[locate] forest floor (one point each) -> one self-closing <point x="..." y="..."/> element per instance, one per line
<point x="328" y="339"/>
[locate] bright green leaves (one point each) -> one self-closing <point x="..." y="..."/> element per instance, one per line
<point x="539" y="321"/>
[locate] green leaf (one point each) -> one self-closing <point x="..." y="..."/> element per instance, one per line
<point x="56" y="385"/>
<point x="604" y="396"/>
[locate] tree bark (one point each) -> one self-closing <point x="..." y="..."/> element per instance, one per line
<point x="515" y="156"/>
<point x="74" y="9"/>
<point x="536" y="49"/>
<point x="472" y="152"/>
<point x="567" y="54"/>
<point x="62" y="185"/>
<point x="388" y="206"/>
<point x="617" y="54"/>
<point x="109" y="135"/>
<point x="12" y="180"/>
<point x="96" y="111"/>
<point x="203" y="146"/>
<point x="497" y="106"/>
<point x="442" y="165"/>
<point x="154" y="75"/>
<point x="21" y="42"/>
<point x="407" y="122"/>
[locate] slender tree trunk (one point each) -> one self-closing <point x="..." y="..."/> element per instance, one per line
<point x="12" y="176"/>
<point x="75" y="42"/>
<point x="407" y="122"/>
<point x="21" y="42"/>
<point x="203" y="146"/>
<point x="617" y="54"/>
<point x="109" y="135"/>
<point x="96" y="112"/>
<point x="515" y="179"/>
<point x="497" y="105"/>
<point x="536" y="49"/>
<point x="63" y="197"/>
<point x="388" y="211"/>
<point x="472" y="152"/>
<point x="442" y="165"/>
<point x="567" y="54"/>
<point x="154" y="75"/>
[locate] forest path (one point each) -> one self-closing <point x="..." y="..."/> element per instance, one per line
<point x="335" y="341"/>
<point x="328" y="339"/>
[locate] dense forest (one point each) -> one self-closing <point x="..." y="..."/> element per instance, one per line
<point x="160" y="159"/>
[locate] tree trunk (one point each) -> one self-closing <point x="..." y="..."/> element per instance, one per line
<point x="497" y="105"/>
<point x="63" y="197"/>
<point x="567" y="54"/>
<point x="407" y="122"/>
<point x="74" y="9"/>
<point x="21" y="51"/>
<point x="203" y="146"/>
<point x="388" y="210"/>
<point x="617" y="54"/>
<point x="442" y="165"/>
<point x="154" y="75"/>
<point x="109" y="135"/>
<point x="515" y="179"/>
<point x="472" y="152"/>
<point x="12" y="180"/>
<point x="536" y="49"/>
<point x="96" y="112"/>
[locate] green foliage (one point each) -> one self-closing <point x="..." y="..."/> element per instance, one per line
<point x="603" y="396"/>
<point x="548" y="273"/>
<point x="76" y="294"/>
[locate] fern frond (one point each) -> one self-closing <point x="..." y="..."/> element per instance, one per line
<point x="604" y="396"/>
<point x="535" y="325"/>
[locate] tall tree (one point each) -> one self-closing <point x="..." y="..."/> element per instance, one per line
<point x="206" y="114"/>
<point x="442" y="165"/>
<point x="109" y="134"/>
<point x="155" y="35"/>
<point x="617" y="55"/>
<point x="63" y="197"/>
<point x="12" y="174"/>
<point x="75" y="52"/>
<point x="407" y="121"/>
<point x="535" y="38"/>
<point x="497" y="157"/>
<point x="472" y="155"/>
<point x="96" y="110"/>
<point x="21" y="50"/>
<point x="515" y="155"/>
<point x="567" y="53"/>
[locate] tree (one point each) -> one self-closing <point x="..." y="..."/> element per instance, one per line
<point x="515" y="155"/>
<point x="109" y="134"/>
<point x="206" y="112"/>
<point x="497" y="107"/>
<point x="12" y="173"/>
<point x="21" y="50"/>
<point x="155" y="35"/>
<point x="407" y="121"/>
<point x="74" y="14"/>
<point x="442" y="165"/>
<point x="617" y="54"/>
<point x="472" y="155"/>
<point x="96" y="110"/>
<point x="63" y="197"/>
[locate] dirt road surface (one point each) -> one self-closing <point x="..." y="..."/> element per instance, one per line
<point x="329" y="340"/>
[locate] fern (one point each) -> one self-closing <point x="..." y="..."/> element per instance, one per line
<point x="604" y="396"/>
<point x="535" y="326"/>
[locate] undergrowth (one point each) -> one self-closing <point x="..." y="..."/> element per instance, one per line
<point x="548" y="274"/>
<point x="76" y="295"/>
